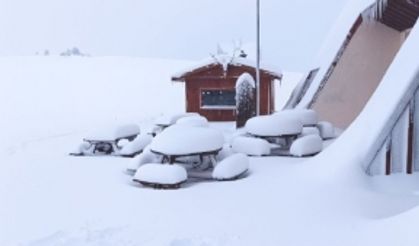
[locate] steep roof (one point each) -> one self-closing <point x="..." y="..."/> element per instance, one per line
<point x="225" y="61"/>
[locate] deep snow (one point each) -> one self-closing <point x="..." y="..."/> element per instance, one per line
<point x="50" y="198"/>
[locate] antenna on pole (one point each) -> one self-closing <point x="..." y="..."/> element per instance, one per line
<point x="257" y="57"/>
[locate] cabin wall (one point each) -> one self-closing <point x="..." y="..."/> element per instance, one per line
<point x="358" y="73"/>
<point x="194" y="85"/>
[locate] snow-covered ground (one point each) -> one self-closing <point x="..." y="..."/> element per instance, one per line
<point x="50" y="198"/>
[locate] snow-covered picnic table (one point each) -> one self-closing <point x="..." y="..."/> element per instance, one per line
<point x="184" y="141"/>
<point x="106" y="141"/>
<point x="279" y="128"/>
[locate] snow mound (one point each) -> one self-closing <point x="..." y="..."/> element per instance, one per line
<point x="225" y="152"/>
<point x="311" y="130"/>
<point x="326" y="129"/>
<point x="170" y="119"/>
<point x="274" y="125"/>
<point x="308" y="117"/>
<point x="156" y="173"/>
<point x="136" y="145"/>
<point x="196" y="120"/>
<point x="251" y="146"/>
<point x="307" y="145"/>
<point x="119" y="132"/>
<point x="145" y="157"/>
<point x="183" y="140"/>
<point x="231" y="167"/>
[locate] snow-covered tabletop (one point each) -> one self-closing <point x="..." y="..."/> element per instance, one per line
<point x="114" y="134"/>
<point x="179" y="140"/>
<point x="274" y="126"/>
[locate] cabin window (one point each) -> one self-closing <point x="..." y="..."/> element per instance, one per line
<point x="218" y="99"/>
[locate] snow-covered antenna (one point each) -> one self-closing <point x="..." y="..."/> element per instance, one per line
<point x="221" y="58"/>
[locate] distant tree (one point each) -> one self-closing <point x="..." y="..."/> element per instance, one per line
<point x="73" y="52"/>
<point x="46" y="52"/>
<point x="76" y="52"/>
<point x="245" y="99"/>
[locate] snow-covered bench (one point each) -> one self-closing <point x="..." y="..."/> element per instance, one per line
<point x="306" y="146"/>
<point x="231" y="167"/>
<point x="161" y="176"/>
<point x="251" y="146"/>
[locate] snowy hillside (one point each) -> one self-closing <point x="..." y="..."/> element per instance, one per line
<point x="50" y="198"/>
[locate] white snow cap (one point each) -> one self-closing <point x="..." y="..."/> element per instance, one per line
<point x="274" y="125"/>
<point x="307" y="116"/>
<point x="307" y="145"/>
<point x="114" y="133"/>
<point x="327" y="130"/>
<point x="136" y="145"/>
<point x="231" y="167"/>
<point x="251" y="146"/>
<point x="170" y="119"/>
<point x="196" y="120"/>
<point x="311" y="130"/>
<point x="164" y="174"/>
<point x="245" y="78"/>
<point x="181" y="140"/>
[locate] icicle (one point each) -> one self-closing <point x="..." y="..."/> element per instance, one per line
<point x="376" y="11"/>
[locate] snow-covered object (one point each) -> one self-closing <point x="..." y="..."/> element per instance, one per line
<point x="245" y="78"/>
<point x="164" y="174"/>
<point x="311" y="130"/>
<point x="170" y="119"/>
<point x="122" y="143"/>
<point x="145" y="157"/>
<point x="308" y="117"/>
<point x="196" y="120"/>
<point x="274" y="125"/>
<point x="251" y="146"/>
<point x="231" y="167"/>
<point x="83" y="148"/>
<point x="136" y="145"/>
<point x="183" y="140"/>
<point x="307" y="145"/>
<point x="224" y="153"/>
<point x="115" y="133"/>
<point x="326" y="129"/>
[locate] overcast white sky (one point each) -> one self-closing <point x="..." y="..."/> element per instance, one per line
<point x="292" y="30"/>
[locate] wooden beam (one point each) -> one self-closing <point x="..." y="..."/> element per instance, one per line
<point x="388" y="159"/>
<point x="409" y="162"/>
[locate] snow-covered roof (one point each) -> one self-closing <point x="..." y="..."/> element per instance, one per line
<point x="226" y="60"/>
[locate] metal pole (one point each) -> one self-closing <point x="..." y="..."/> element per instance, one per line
<point x="257" y="57"/>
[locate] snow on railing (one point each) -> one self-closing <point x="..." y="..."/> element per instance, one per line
<point x="399" y="151"/>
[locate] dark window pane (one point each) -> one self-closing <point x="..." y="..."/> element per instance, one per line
<point x="213" y="98"/>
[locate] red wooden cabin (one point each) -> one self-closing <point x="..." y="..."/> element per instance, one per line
<point x="210" y="87"/>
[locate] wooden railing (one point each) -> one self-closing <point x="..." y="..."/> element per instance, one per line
<point x="399" y="152"/>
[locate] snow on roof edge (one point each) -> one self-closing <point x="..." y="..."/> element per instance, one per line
<point x="226" y="60"/>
